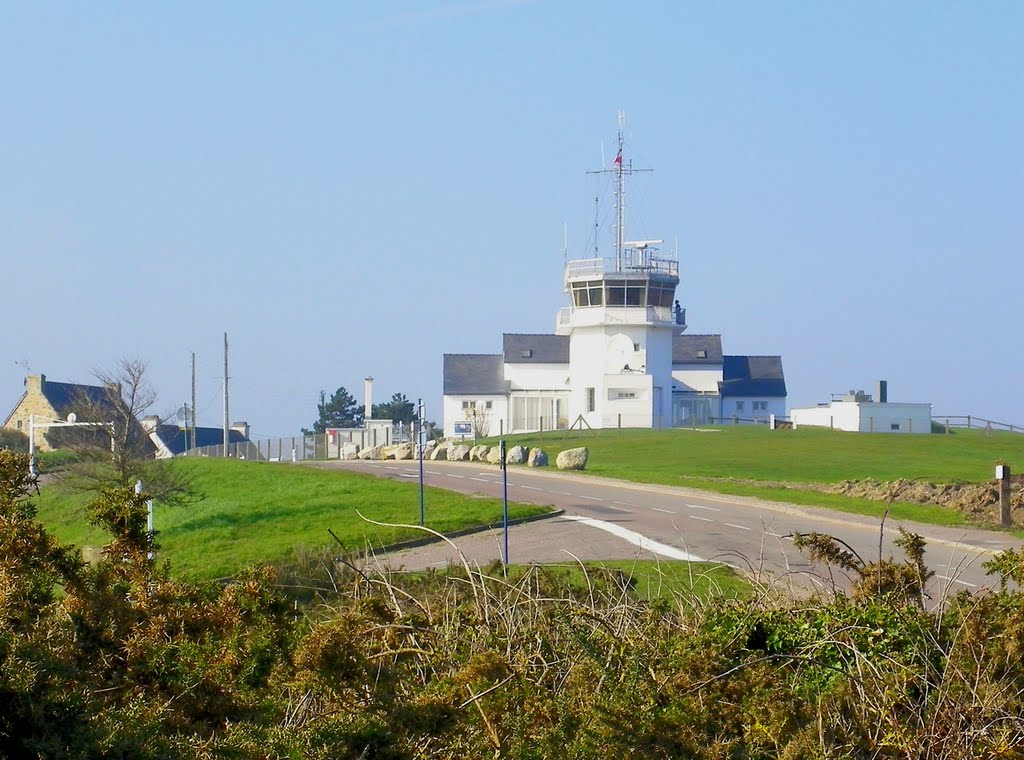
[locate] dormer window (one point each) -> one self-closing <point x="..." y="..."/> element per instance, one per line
<point x="702" y="354"/>
<point x="526" y="353"/>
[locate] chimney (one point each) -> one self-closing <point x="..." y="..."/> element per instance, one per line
<point x="242" y="428"/>
<point x="882" y="396"/>
<point x="367" y="400"/>
<point x="35" y="382"/>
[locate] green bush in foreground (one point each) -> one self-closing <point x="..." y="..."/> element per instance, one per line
<point x="116" y="659"/>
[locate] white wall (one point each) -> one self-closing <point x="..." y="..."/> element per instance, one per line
<point x="866" y="417"/>
<point x="730" y="407"/>
<point x="697" y="378"/>
<point x="537" y="377"/>
<point x="453" y="412"/>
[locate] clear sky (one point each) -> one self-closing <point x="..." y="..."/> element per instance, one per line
<point x="354" y="189"/>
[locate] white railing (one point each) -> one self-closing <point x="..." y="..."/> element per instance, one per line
<point x="627" y="315"/>
<point x="633" y="261"/>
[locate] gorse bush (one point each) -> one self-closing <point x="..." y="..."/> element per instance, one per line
<point x="116" y="659"/>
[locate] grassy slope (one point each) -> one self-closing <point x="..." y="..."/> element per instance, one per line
<point x="251" y="512"/>
<point x="721" y="460"/>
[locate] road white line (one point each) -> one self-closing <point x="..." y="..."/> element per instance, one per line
<point x="562" y="493"/>
<point x="638" y="540"/>
<point x="702" y="519"/>
<point x="460" y="477"/>
<point x="432" y="472"/>
<point x="481" y="480"/>
<point x="956" y="580"/>
<point x="734" y="525"/>
<point x="409" y="475"/>
<point x="618" y="509"/>
<point x="666" y="511"/>
<point x="592" y="498"/>
<point x="389" y="467"/>
<point x="626" y="503"/>
<point x="698" y="506"/>
<point x="531" y="488"/>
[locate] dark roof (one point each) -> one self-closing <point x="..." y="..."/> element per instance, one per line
<point x="64" y="397"/>
<point x="686" y="349"/>
<point x="536" y="349"/>
<point x="474" y="373"/>
<point x="752" y="376"/>
<point x="173" y="437"/>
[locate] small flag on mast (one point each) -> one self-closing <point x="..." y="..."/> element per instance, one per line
<point x="618" y="158"/>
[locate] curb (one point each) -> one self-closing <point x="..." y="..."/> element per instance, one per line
<point x="429" y="538"/>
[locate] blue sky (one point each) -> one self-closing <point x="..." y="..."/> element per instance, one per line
<point x="357" y="188"/>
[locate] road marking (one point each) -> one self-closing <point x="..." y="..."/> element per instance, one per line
<point x="408" y="475"/>
<point x="481" y="480"/>
<point x="432" y="472"/>
<point x="956" y="580"/>
<point x="637" y="539"/>
<point x="698" y="506"/>
<point x="531" y="488"/>
<point x="666" y="511"/>
<point x="734" y="525"/>
<point x="562" y="493"/>
<point x="702" y="519"/>
<point x="618" y="509"/>
<point x="460" y="477"/>
<point x="389" y="467"/>
<point x="626" y="503"/>
<point x="592" y="498"/>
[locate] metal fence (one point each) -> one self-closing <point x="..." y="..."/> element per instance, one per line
<point x="299" y="448"/>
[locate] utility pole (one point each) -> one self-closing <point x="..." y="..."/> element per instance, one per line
<point x="226" y="423"/>
<point x="193" y="399"/>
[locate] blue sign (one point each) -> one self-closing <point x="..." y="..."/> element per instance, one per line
<point x="463" y="428"/>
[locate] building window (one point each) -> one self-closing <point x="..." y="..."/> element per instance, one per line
<point x="702" y="354"/>
<point x="487" y="405"/>
<point x="759" y="406"/>
<point x="591" y="399"/>
<point x="526" y="353"/>
<point x="625" y="394"/>
<point x="469" y="405"/>
<point x="19" y="424"/>
<point x="894" y="426"/>
<point x="739" y="406"/>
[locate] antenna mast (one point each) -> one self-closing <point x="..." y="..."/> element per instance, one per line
<point x="620" y="167"/>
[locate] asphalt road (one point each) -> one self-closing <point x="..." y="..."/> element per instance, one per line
<point x="615" y="519"/>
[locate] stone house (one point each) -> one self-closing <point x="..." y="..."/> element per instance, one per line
<point x="55" y="401"/>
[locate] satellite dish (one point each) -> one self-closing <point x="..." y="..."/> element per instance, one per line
<point x="619" y="353"/>
<point x="72" y="418"/>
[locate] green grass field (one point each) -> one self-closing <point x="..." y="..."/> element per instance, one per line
<point x="248" y="513"/>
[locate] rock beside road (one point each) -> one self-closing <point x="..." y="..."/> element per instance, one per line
<point x="573" y="459"/>
<point x="537" y="458"/>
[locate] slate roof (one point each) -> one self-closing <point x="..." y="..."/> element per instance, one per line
<point x="536" y="349"/>
<point x="174" y="437"/>
<point x="482" y="374"/>
<point x="686" y="349"/>
<point x="63" y="397"/>
<point x="752" y="376"/>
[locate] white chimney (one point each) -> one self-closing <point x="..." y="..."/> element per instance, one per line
<point x="367" y="400"/>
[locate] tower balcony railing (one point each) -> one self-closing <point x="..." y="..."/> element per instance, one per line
<point x="632" y="262"/>
<point x="582" y="316"/>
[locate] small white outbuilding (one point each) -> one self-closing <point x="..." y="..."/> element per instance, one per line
<point x="858" y="412"/>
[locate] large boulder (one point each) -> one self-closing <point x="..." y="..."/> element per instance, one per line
<point x="516" y="455"/>
<point x="494" y="455"/>
<point x="397" y="451"/>
<point x="349" y="450"/>
<point x="537" y="458"/>
<point x="440" y="452"/>
<point x="459" y="453"/>
<point x="373" y="452"/>
<point x="572" y="459"/>
<point x="478" y="453"/>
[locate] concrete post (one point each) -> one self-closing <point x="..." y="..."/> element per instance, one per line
<point x="1003" y="476"/>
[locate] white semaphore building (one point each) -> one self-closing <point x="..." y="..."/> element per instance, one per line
<point x="618" y="357"/>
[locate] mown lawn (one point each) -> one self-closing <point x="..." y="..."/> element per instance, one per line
<point x="248" y="513"/>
